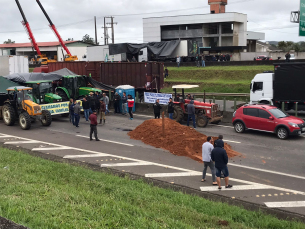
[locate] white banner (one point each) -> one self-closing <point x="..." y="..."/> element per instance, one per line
<point x="152" y="97"/>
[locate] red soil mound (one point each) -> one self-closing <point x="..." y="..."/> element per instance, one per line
<point x="179" y="140"/>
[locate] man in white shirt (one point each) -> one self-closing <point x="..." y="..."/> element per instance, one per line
<point x="207" y="149"/>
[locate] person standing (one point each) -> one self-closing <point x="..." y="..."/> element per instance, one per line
<point x="71" y="111"/>
<point x="97" y="103"/>
<point x="130" y="106"/>
<point x="91" y="101"/>
<point x="170" y="109"/>
<point x="86" y="107"/>
<point x="102" y="111"/>
<point x="207" y="149"/>
<point x="106" y="101"/>
<point x="178" y="60"/>
<point x="219" y="142"/>
<point x="220" y="158"/>
<point x="165" y="73"/>
<point x="117" y="99"/>
<point x="203" y="61"/>
<point x="287" y="56"/>
<point x="191" y="113"/>
<point x="77" y="113"/>
<point x="124" y="104"/>
<point x="157" y="109"/>
<point x="93" y="124"/>
<point x="197" y="61"/>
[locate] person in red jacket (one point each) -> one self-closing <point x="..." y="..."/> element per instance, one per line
<point x="93" y="124"/>
<point x="130" y="106"/>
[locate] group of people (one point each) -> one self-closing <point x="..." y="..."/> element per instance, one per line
<point x="127" y="102"/>
<point x="215" y="157"/>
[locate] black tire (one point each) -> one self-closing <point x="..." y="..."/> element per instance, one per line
<point x="178" y="114"/>
<point x="63" y="95"/>
<point x="46" y="118"/>
<point x="9" y="115"/>
<point x="202" y="121"/>
<point x="239" y="127"/>
<point x="282" y="133"/>
<point x="25" y="121"/>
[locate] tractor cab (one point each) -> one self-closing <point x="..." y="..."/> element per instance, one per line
<point x="205" y="112"/>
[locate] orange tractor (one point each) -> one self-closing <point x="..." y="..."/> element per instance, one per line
<point x="205" y="112"/>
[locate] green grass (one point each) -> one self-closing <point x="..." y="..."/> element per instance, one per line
<point x="221" y="79"/>
<point x="44" y="194"/>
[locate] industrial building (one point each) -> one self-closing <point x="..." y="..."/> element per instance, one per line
<point x="215" y="32"/>
<point x="53" y="50"/>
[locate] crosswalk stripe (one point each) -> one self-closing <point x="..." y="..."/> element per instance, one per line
<point x="285" y="204"/>
<point x="183" y="174"/>
<point x="104" y="140"/>
<point x="5" y="136"/>
<point x="86" y="155"/>
<point x="21" y="142"/>
<point x="126" y="164"/>
<point x="54" y="148"/>
<point x="236" y="188"/>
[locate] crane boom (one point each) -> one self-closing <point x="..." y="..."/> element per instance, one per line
<point x="26" y="24"/>
<point x="54" y="28"/>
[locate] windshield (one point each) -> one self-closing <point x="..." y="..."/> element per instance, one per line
<point x="277" y="113"/>
<point x="81" y="82"/>
<point x="45" y="88"/>
<point x="27" y="95"/>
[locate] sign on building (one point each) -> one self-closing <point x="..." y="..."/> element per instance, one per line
<point x="302" y="19"/>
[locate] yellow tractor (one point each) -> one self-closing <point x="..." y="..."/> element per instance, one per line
<point x="18" y="104"/>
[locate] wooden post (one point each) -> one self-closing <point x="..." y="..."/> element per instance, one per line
<point x="163" y="124"/>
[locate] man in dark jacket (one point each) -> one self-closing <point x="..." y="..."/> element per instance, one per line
<point x="157" y="109"/>
<point x="71" y="111"/>
<point x="288" y="56"/>
<point x="219" y="142"/>
<point x="77" y="113"/>
<point x="191" y="113"/>
<point x="124" y="104"/>
<point x="170" y="108"/>
<point x="220" y="157"/>
<point x="91" y="100"/>
<point x="93" y="124"/>
<point x="117" y="99"/>
<point x="86" y="107"/>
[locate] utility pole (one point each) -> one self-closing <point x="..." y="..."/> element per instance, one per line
<point x="106" y="36"/>
<point x="95" y="30"/>
<point x="111" y="27"/>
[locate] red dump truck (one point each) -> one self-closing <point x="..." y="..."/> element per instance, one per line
<point x="144" y="76"/>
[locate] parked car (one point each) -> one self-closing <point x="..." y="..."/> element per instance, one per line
<point x="260" y="58"/>
<point x="267" y="118"/>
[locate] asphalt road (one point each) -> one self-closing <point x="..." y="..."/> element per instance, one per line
<point x="270" y="173"/>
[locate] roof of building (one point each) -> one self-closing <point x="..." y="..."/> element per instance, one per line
<point x="40" y="44"/>
<point x="190" y="15"/>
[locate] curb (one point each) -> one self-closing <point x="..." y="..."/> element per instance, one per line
<point x="278" y="213"/>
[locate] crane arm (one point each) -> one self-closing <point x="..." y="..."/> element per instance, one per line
<point x="28" y="29"/>
<point x="54" y="28"/>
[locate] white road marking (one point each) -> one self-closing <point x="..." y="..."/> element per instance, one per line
<point x="223" y="126"/>
<point x="54" y="148"/>
<point x="86" y="155"/>
<point x="120" y="143"/>
<point x="161" y="165"/>
<point x="268" y="171"/>
<point x="232" y="141"/>
<point x="235" y="188"/>
<point x="174" y="174"/>
<point x="127" y="164"/>
<point x="4" y="136"/>
<point x="21" y="142"/>
<point x="147" y="116"/>
<point x="285" y="204"/>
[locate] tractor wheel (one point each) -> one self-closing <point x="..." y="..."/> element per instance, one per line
<point x="25" y="121"/>
<point x="178" y="114"/>
<point x="63" y="95"/>
<point x="202" y="121"/>
<point x="46" y="118"/>
<point x="9" y="115"/>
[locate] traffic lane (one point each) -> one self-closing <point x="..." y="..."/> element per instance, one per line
<point x="153" y="155"/>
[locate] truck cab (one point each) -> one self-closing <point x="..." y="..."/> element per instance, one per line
<point x="261" y="88"/>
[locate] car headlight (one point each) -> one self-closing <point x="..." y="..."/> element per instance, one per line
<point x="234" y="114"/>
<point x="293" y="124"/>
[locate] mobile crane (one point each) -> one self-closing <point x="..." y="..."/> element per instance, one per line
<point x="68" y="56"/>
<point x="39" y="58"/>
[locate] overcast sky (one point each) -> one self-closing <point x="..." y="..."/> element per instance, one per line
<point x="74" y="18"/>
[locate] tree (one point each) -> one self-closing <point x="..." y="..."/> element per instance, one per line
<point x="89" y="40"/>
<point x="9" y="41"/>
<point x="282" y="45"/>
<point x="297" y="47"/>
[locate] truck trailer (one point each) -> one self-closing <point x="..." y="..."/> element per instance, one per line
<point x="283" y="86"/>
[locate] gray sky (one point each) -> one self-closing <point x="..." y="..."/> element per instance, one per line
<point x="269" y="16"/>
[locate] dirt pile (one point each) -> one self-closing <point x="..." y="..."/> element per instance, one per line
<point x="179" y="140"/>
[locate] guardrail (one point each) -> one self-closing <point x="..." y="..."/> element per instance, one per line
<point x="221" y="94"/>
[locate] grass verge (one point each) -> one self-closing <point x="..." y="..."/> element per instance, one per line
<point x="39" y="193"/>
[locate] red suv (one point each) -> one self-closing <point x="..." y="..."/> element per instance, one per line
<point x="268" y="119"/>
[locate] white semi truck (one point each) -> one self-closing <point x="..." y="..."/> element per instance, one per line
<point x="286" y="85"/>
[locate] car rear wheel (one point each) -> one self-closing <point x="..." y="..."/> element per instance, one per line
<point x="239" y="127"/>
<point x="282" y="133"/>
